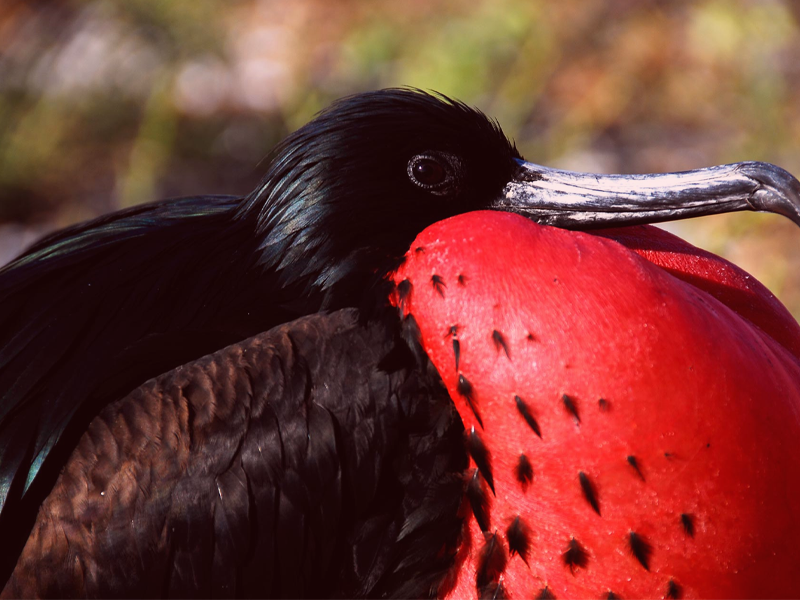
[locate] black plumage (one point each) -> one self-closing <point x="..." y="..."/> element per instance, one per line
<point x="492" y="561"/>
<point x="687" y="522"/>
<point x="403" y="291"/>
<point x="500" y="342"/>
<point x="465" y="390"/>
<point x="526" y="413"/>
<point x="545" y="594"/>
<point x="634" y="463"/>
<point x="673" y="590"/>
<point x="640" y="548"/>
<point x="575" y="556"/>
<point x="523" y="471"/>
<point x="518" y="535"/>
<point x="438" y="284"/>
<point x="479" y="452"/>
<point x="92" y="312"/>
<point x="571" y="407"/>
<point x="479" y="500"/>
<point x="452" y="332"/>
<point x="589" y="491"/>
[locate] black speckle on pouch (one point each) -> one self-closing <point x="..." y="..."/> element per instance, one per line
<point x="438" y="284"/>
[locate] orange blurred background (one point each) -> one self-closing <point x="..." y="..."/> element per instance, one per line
<point x="105" y="104"/>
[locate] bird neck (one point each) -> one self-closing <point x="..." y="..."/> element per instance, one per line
<point x="312" y="258"/>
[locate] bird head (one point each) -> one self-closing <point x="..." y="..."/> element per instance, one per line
<point x="346" y="194"/>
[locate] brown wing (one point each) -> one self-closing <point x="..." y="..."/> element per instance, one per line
<point x="312" y="460"/>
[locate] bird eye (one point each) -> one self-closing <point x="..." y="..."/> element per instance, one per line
<point x="429" y="173"/>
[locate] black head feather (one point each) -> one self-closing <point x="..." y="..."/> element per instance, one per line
<point x="349" y="171"/>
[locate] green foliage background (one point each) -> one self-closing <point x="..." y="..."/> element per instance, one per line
<point x="105" y="103"/>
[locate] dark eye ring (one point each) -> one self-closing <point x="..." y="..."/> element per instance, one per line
<point x="430" y="172"/>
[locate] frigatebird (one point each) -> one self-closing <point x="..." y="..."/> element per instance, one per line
<point x="152" y="446"/>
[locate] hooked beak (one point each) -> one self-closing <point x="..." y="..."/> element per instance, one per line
<point x="587" y="201"/>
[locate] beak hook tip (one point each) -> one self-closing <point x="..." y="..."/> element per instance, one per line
<point x="778" y="191"/>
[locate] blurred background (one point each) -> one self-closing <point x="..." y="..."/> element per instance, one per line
<point x="106" y="103"/>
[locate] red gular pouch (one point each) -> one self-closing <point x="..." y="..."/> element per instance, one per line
<point x="631" y="408"/>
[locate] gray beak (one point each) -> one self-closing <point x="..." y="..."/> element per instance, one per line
<point x="587" y="201"/>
